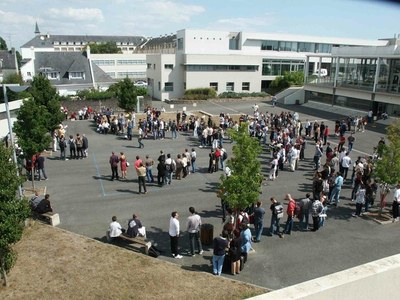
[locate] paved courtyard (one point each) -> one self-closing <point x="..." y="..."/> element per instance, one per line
<point x="86" y="199"/>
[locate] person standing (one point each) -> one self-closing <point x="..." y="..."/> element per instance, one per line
<point x="141" y="172"/>
<point x="396" y="203"/>
<point x="193" y="227"/>
<point x="290" y="214"/>
<point x="40" y="166"/>
<point x="174" y="234"/>
<point x="72" y="147"/>
<point x="360" y="200"/>
<point x="79" y="146"/>
<point x="258" y="214"/>
<point x="193" y="156"/>
<point x="305" y="206"/>
<point x="316" y="210"/>
<point x="114" y="166"/>
<point x="63" y="147"/>
<point x="123" y="165"/>
<point x="140" y="137"/>
<point x="337" y="187"/>
<point x="350" y="141"/>
<point x="85" y="145"/>
<point x="149" y="169"/>
<point x="277" y="213"/>
<point x="220" y="244"/>
<point x="346" y="163"/>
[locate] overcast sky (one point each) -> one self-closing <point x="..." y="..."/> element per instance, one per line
<point x="359" y="19"/>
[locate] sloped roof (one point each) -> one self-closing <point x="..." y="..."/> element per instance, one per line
<point x="47" y="41"/>
<point x="162" y="40"/>
<point x="64" y="62"/>
<point x="8" y="60"/>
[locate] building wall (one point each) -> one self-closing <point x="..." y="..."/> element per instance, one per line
<point x="119" y="66"/>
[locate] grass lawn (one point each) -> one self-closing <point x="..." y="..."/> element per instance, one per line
<point x="55" y="264"/>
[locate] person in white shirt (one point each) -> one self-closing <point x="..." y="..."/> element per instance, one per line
<point x="346" y="163"/>
<point x="115" y="229"/>
<point x="174" y="231"/>
<point x="193" y="157"/>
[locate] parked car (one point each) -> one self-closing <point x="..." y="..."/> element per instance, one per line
<point x="140" y="83"/>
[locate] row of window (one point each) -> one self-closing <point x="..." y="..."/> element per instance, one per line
<point x="210" y="68"/>
<point x="296" y="46"/>
<point x="229" y="87"/>
<point x="166" y="66"/>
<point x="119" y="62"/>
<point x="131" y="74"/>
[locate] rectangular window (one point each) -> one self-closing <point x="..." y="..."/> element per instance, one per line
<point x="159" y="86"/>
<point x="214" y="85"/>
<point x="169" y="87"/>
<point x="245" y="86"/>
<point x="270" y="45"/>
<point x="148" y="66"/>
<point x="131" y="62"/>
<point x="230" y="86"/>
<point x="53" y="75"/>
<point x="154" y="66"/>
<point x="104" y="62"/>
<point x="168" y="66"/>
<point x="76" y="75"/>
<point x="180" y="44"/>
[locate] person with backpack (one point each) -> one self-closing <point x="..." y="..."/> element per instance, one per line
<point x="63" y="147"/>
<point x="135" y="227"/>
<point x="170" y="167"/>
<point x="72" y="147"/>
<point x="277" y="213"/>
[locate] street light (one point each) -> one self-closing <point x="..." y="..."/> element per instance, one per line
<point x="15" y="88"/>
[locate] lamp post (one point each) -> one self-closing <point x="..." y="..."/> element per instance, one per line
<point x="14" y="88"/>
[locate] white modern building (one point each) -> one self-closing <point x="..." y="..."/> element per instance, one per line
<point x="235" y="61"/>
<point x="359" y="77"/>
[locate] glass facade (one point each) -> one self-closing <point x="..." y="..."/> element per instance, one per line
<point x="296" y="46"/>
<point x="274" y="67"/>
<point x="219" y="68"/>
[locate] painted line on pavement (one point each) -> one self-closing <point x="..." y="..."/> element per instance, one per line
<point x="98" y="175"/>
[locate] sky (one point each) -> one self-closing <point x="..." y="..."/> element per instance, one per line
<point x="358" y="19"/>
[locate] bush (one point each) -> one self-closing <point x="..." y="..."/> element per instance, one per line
<point x="287" y="80"/>
<point x="242" y="95"/>
<point x="200" y="94"/>
<point x="94" y="95"/>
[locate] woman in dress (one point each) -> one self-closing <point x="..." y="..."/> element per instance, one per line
<point x="123" y="164"/>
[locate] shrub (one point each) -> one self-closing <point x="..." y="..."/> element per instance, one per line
<point x="200" y="94"/>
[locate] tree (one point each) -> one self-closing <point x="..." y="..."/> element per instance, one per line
<point x="287" y="80"/>
<point x="126" y="94"/>
<point x="31" y="128"/>
<point x="3" y="44"/>
<point x="13" y="212"/>
<point x="387" y="168"/>
<point x="242" y="188"/>
<point x="44" y="94"/>
<point x="106" y="48"/>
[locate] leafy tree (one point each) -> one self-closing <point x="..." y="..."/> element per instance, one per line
<point x="13" y="212"/>
<point x="3" y="44"/>
<point x="126" y="93"/>
<point x="44" y="94"/>
<point x="287" y="80"/>
<point x="31" y="128"/>
<point x="108" y="48"/>
<point x="387" y="168"/>
<point x="241" y="189"/>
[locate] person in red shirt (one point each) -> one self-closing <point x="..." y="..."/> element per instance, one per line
<point x="342" y="140"/>
<point x="326" y="134"/>
<point x="290" y="214"/>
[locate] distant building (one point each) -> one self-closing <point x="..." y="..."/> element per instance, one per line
<point x="8" y="63"/>
<point x="366" y="78"/>
<point x="232" y="61"/>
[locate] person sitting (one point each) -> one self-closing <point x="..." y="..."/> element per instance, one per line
<point x="34" y="201"/>
<point x="44" y="205"/>
<point x="115" y="229"/>
<point x="135" y="227"/>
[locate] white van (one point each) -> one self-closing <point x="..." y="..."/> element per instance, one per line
<point x="321" y="73"/>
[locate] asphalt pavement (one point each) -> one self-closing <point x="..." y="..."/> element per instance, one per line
<point x="86" y="199"/>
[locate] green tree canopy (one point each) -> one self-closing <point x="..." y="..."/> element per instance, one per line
<point x="241" y="189"/>
<point x="3" y="44"/>
<point x="44" y="94"/>
<point x="13" y="211"/>
<point x="107" y="48"/>
<point x="387" y="169"/>
<point x="126" y="93"/>
<point x="287" y="80"/>
<point x="32" y="128"/>
<point x="11" y="96"/>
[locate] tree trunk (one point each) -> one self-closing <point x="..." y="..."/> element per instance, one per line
<point x="33" y="178"/>
<point x="3" y="272"/>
